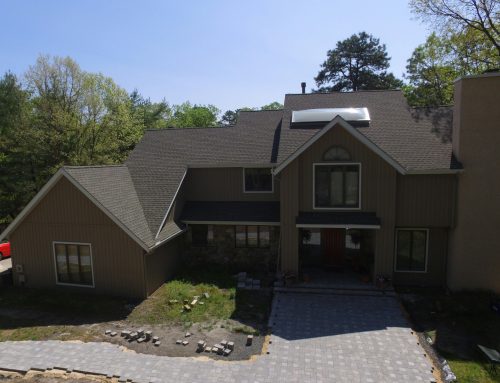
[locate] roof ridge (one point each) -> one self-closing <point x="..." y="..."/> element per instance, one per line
<point x="432" y="106"/>
<point x="93" y="166"/>
<point x="262" y="110"/>
<point x="350" y="92"/>
<point x="188" y="128"/>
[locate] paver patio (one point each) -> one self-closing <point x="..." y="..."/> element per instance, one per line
<point x="315" y="338"/>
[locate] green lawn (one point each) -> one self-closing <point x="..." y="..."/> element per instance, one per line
<point x="29" y="314"/>
<point x="457" y="323"/>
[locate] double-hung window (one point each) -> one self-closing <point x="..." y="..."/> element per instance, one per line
<point x="257" y="180"/>
<point x="74" y="263"/>
<point x="411" y="250"/>
<point x="337" y="186"/>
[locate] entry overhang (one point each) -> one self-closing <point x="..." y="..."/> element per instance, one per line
<point x="343" y="220"/>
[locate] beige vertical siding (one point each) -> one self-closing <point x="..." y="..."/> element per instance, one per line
<point x="378" y="188"/>
<point x="65" y="214"/>
<point x="425" y="200"/>
<point x="474" y="261"/>
<point x="436" y="263"/>
<point x="162" y="263"/>
<point x="222" y="184"/>
<point x="289" y="209"/>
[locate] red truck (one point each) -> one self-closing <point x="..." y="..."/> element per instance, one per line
<point x="4" y="250"/>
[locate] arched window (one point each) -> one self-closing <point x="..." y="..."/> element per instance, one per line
<point x="336" y="153"/>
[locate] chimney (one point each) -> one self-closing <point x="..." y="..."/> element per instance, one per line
<point x="303" y="85"/>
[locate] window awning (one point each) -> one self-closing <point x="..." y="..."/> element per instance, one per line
<point x="344" y="220"/>
<point x="231" y="213"/>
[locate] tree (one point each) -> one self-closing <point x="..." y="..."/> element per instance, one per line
<point x="430" y="72"/>
<point x="434" y="66"/>
<point x="229" y="118"/>
<point x="18" y="150"/>
<point x="149" y="114"/>
<point x="275" y="105"/>
<point x="359" y="62"/>
<point x="482" y="16"/>
<point x="186" y="115"/>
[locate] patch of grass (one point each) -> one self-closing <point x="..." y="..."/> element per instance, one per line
<point x="471" y="371"/>
<point x="457" y="323"/>
<point x="224" y="301"/>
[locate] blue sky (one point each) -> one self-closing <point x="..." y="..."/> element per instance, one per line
<point x="227" y="53"/>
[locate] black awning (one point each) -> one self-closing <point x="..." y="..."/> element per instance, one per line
<point x="231" y="212"/>
<point x="356" y="219"/>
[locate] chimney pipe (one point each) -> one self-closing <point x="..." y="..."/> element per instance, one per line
<point x="303" y="85"/>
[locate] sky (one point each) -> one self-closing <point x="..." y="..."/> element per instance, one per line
<point x="227" y="53"/>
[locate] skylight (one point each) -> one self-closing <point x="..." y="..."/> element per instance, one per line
<point x="306" y="116"/>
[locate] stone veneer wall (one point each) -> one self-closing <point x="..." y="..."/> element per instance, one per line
<point x="224" y="251"/>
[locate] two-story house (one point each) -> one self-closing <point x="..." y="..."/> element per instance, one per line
<point x="355" y="183"/>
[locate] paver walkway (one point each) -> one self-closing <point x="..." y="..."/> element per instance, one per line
<point x="315" y="338"/>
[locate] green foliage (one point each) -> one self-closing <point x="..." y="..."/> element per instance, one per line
<point x="434" y="66"/>
<point x="272" y="106"/>
<point x="359" y="62"/>
<point x="461" y="16"/>
<point x="63" y="115"/>
<point x="186" y="115"/>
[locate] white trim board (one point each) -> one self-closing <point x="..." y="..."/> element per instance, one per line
<point x="171" y="204"/>
<point x="48" y="186"/>
<point x="335" y="226"/>
<point x="353" y="131"/>
<point x="232" y="223"/>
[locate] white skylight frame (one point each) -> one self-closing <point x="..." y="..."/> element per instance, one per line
<point x="328" y="114"/>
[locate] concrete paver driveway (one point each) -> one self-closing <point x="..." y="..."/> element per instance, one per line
<point x="315" y="338"/>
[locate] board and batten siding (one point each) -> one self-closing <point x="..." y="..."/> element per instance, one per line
<point x="289" y="209"/>
<point x="66" y="215"/>
<point x="162" y="263"/>
<point x="222" y="184"/>
<point x="378" y="188"/>
<point x="426" y="200"/>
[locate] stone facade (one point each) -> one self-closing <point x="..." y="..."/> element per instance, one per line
<point x="224" y="251"/>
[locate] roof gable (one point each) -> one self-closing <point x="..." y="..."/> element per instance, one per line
<point x="98" y="203"/>
<point x="339" y="121"/>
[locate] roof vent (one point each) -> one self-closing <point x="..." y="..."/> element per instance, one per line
<point x="355" y="116"/>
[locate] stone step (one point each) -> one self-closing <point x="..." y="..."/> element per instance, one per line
<point x="336" y="291"/>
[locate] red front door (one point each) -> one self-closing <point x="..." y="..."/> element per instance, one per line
<point x="333" y="245"/>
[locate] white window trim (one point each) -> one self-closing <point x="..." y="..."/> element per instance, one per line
<point x="91" y="263"/>
<point x="259" y="192"/>
<point x="314" y="185"/>
<point x="426" y="249"/>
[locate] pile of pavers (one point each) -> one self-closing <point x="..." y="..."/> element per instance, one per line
<point x="247" y="283"/>
<point x="222" y="348"/>
<point x="187" y="304"/>
<point x="138" y="336"/>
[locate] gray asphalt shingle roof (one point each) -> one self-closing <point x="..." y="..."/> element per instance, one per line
<point x="140" y="192"/>
<point x="113" y="188"/>
<point x="417" y="138"/>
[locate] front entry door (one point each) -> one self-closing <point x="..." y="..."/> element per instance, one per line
<point x="333" y="246"/>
